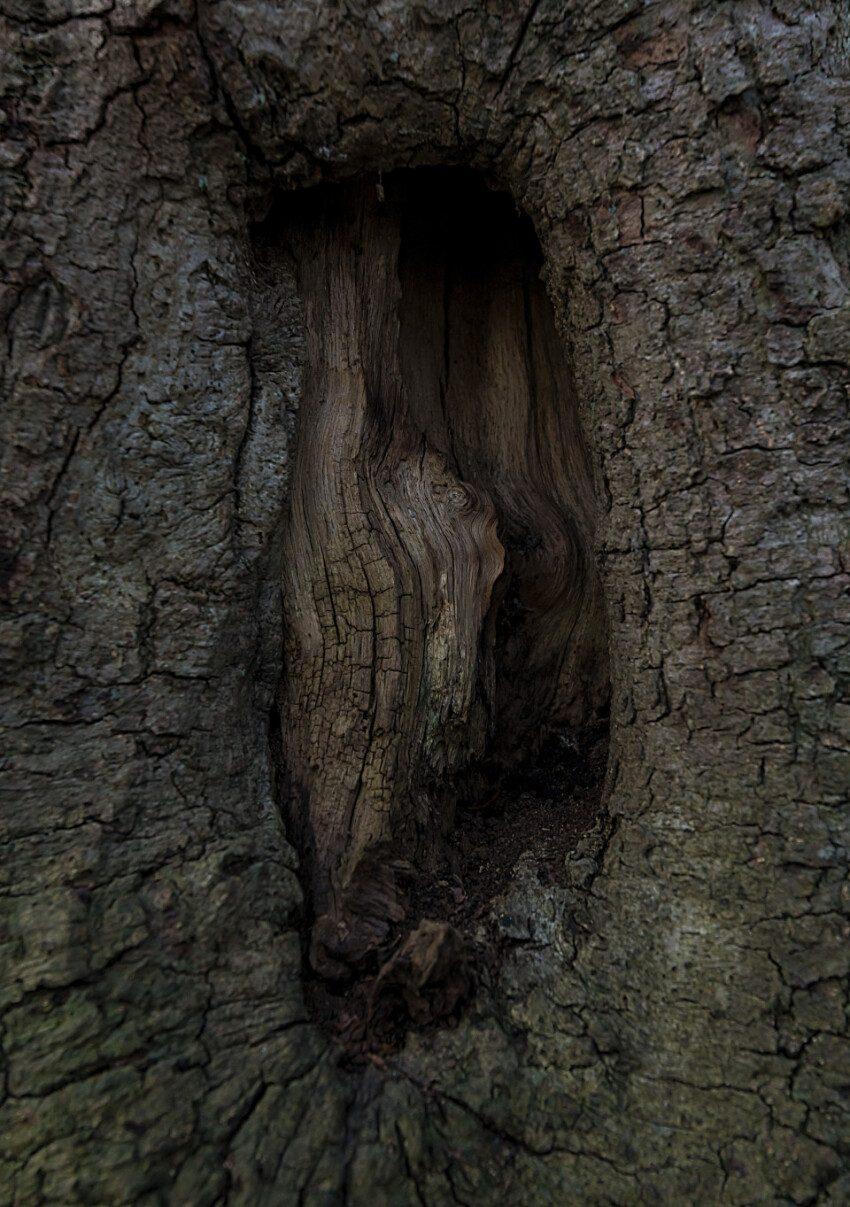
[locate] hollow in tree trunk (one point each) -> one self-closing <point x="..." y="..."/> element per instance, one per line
<point x="439" y="587"/>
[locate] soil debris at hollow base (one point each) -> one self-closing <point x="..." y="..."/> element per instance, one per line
<point x="540" y="810"/>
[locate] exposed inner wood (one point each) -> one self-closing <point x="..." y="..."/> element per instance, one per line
<point x="440" y="597"/>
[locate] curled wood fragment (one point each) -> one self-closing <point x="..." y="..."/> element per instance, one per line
<point x="430" y="971"/>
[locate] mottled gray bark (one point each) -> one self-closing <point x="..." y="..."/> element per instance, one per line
<point x="672" y="1028"/>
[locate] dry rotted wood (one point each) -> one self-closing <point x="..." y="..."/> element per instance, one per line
<point x="439" y="541"/>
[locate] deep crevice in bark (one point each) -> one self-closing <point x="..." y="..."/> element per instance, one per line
<point x="443" y="617"/>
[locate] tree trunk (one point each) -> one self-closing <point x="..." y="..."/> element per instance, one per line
<point x="292" y="461"/>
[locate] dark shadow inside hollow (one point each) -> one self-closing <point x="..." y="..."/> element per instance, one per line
<point x="487" y="379"/>
<point x="441" y="604"/>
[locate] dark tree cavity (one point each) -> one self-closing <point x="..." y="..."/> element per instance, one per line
<point x="439" y="583"/>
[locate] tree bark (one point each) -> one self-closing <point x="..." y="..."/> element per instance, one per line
<point x="673" y="1026"/>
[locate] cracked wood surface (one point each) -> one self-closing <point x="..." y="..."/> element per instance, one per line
<point x="389" y="564"/>
<point x="436" y="418"/>
<point x="676" y="1033"/>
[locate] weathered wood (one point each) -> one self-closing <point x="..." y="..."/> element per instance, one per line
<point x="438" y="421"/>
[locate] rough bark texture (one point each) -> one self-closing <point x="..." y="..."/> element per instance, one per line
<point x="672" y="1029"/>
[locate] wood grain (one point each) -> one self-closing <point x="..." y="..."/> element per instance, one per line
<point x="438" y="584"/>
